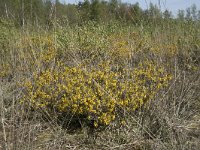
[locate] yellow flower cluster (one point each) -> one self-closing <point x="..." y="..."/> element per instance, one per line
<point x="99" y="93"/>
<point x="169" y="50"/>
<point x="5" y="70"/>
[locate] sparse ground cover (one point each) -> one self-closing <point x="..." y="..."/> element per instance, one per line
<point x="100" y="86"/>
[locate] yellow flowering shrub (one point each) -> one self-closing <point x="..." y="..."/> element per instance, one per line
<point x="98" y="93"/>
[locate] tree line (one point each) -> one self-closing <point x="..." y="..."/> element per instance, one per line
<point x="45" y="12"/>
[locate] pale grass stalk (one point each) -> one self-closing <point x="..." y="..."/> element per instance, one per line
<point x="3" y="119"/>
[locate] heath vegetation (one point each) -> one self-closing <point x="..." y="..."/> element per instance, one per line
<point x="98" y="75"/>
